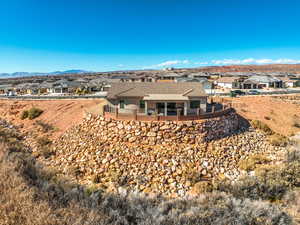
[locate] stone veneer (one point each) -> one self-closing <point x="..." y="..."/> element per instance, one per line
<point x="163" y="132"/>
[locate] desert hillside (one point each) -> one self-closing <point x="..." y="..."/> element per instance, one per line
<point x="241" y="168"/>
<point x="285" y="68"/>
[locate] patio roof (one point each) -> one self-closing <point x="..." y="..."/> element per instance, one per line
<point x="165" y="97"/>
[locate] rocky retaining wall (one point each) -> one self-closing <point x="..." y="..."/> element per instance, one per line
<point x="155" y="157"/>
<point x="162" y="132"/>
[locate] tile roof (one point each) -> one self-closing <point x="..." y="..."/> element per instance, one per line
<point x="263" y="79"/>
<point x="189" y="89"/>
<point x="227" y="79"/>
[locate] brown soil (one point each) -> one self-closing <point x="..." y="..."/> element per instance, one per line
<point x="61" y="114"/>
<point x="281" y="115"/>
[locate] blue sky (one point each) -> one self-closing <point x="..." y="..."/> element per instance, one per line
<point x="49" y="35"/>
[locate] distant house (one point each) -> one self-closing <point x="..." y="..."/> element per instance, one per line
<point x="64" y="86"/>
<point x="6" y="89"/>
<point x="169" y="77"/>
<point x="262" y="81"/>
<point x="45" y="87"/>
<point x="228" y="82"/>
<point x="288" y="82"/>
<point x="160" y="98"/>
<point x="199" y="75"/>
<point x="28" y="88"/>
<point x="203" y="80"/>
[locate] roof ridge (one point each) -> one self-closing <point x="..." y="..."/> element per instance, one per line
<point x="124" y="91"/>
<point x="188" y="91"/>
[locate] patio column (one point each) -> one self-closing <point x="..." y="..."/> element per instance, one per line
<point x="166" y="109"/>
<point x="185" y="109"/>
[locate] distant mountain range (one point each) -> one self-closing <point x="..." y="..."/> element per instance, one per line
<point x="29" y="74"/>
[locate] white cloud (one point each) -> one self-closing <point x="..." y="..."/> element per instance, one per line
<point x="201" y="63"/>
<point x="170" y="64"/>
<point x="247" y="61"/>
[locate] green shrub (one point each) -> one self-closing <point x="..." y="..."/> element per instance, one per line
<point x="24" y="115"/>
<point x="278" y="140"/>
<point x="271" y="182"/>
<point x="257" y="124"/>
<point x="202" y="187"/>
<point x="34" y="113"/>
<point x="43" y="141"/>
<point x="250" y="163"/>
<point x="45" y="126"/>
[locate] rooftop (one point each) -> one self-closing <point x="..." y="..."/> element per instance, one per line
<point x="188" y="89"/>
<point x="227" y="79"/>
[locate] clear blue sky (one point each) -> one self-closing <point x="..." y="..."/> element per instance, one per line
<point x="49" y="35"/>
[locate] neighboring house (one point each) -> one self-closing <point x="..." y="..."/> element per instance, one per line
<point x="288" y="82"/>
<point x="158" y="98"/>
<point x="45" y="87"/>
<point x="199" y="75"/>
<point x="203" y="80"/>
<point x="6" y="89"/>
<point x="64" y="86"/>
<point x="28" y="88"/>
<point x="250" y="84"/>
<point x="102" y="83"/>
<point x="170" y="77"/>
<point x="264" y="81"/>
<point x="228" y="82"/>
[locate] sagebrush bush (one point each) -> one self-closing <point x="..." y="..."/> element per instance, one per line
<point x="45" y="126"/>
<point x="278" y="140"/>
<point x="30" y="194"/>
<point x="43" y="141"/>
<point x="257" y="124"/>
<point x="24" y="115"/>
<point x="271" y="182"/>
<point x="34" y="113"/>
<point x="252" y="162"/>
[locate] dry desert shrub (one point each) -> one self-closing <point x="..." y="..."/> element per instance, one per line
<point x="278" y="140"/>
<point x="270" y="182"/>
<point x="32" y="194"/>
<point x="31" y="113"/>
<point x="250" y="163"/>
<point x="257" y="124"/>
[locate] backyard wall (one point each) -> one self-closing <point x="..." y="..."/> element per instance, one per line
<point x="163" y="132"/>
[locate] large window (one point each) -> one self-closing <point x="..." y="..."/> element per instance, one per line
<point x="142" y="104"/>
<point x="122" y="104"/>
<point x="195" y="104"/>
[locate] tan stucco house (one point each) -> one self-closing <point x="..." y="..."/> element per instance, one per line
<point x="188" y="98"/>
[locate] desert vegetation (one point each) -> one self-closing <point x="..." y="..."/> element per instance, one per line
<point x="31" y="113"/>
<point x="33" y="194"/>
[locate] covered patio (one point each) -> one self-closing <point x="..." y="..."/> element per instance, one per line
<point x="165" y="105"/>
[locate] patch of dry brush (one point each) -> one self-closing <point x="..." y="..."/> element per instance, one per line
<point x="30" y="194"/>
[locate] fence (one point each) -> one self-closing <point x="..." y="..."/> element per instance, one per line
<point x="112" y="112"/>
<point x="53" y="97"/>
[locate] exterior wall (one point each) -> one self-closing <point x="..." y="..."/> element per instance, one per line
<point x="152" y="104"/>
<point x="225" y="85"/>
<point x="289" y="84"/>
<point x="127" y="103"/>
<point x="162" y="132"/>
<point x="203" y="104"/>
